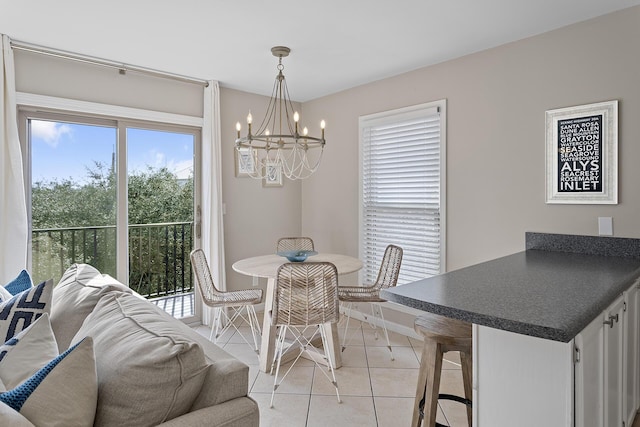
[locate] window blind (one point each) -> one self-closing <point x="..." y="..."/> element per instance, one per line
<point x="401" y="193"/>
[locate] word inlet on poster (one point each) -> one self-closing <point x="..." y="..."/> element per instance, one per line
<point x="580" y="154"/>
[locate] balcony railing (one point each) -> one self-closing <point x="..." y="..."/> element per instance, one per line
<point x="158" y="255"/>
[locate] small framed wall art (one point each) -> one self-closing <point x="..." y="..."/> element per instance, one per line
<point x="245" y="162"/>
<point x="272" y="175"/>
<point x="582" y="154"/>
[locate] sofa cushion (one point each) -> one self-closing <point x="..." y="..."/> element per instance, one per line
<point x="23" y="355"/>
<point x="74" y="298"/>
<point x="20" y="283"/>
<point x="63" y="393"/>
<point x="149" y="371"/>
<point x="17" y="313"/>
<point x="11" y="417"/>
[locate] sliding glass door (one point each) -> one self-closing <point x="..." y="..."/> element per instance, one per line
<point x="117" y="195"/>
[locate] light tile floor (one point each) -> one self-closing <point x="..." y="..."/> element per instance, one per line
<point x="375" y="390"/>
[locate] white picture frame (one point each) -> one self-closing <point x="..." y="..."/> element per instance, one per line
<point x="272" y="174"/>
<point x="245" y="161"/>
<point x="582" y="154"/>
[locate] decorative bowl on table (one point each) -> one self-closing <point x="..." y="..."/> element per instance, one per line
<point x="297" y="256"/>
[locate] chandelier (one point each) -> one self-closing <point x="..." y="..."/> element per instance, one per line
<point x="279" y="146"/>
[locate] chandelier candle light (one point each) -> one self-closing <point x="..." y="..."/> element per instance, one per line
<point x="297" y="154"/>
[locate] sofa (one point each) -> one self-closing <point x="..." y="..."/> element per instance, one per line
<point x="150" y="369"/>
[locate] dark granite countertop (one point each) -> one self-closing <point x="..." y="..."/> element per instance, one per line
<point x="543" y="292"/>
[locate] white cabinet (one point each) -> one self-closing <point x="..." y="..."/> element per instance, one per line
<point x="591" y="381"/>
<point x="613" y="325"/>
<point x="606" y="366"/>
<point x="589" y="375"/>
<point x="631" y="355"/>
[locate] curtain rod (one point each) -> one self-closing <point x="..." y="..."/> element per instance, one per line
<point x="121" y="67"/>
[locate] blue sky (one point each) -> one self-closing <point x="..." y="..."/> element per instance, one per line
<point x="65" y="150"/>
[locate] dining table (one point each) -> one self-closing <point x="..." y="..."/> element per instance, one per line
<point x="266" y="266"/>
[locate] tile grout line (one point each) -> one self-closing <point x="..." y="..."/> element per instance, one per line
<point x="366" y="357"/>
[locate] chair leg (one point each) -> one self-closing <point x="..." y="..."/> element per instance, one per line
<point x="253" y="323"/>
<point x="251" y="319"/>
<point x="216" y="323"/>
<point x="277" y="359"/>
<point x="428" y="385"/>
<point x="384" y="327"/>
<point x="323" y="335"/>
<point x="347" y="312"/>
<point x="466" y="360"/>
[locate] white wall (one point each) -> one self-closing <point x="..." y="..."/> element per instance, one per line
<point x="496" y="102"/>
<point x="48" y="75"/>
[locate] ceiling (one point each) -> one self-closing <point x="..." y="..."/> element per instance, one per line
<point x="335" y="44"/>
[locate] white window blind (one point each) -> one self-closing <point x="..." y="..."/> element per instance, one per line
<point x="401" y="191"/>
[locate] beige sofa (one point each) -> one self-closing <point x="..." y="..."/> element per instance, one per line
<point x="151" y="368"/>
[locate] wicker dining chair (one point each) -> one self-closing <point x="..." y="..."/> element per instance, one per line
<point x="294" y="244"/>
<point x="387" y="277"/>
<point x="306" y="298"/>
<point x="223" y="300"/>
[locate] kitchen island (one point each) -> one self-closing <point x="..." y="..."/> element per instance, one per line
<point x="528" y="310"/>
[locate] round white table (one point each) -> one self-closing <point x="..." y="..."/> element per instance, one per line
<point x="267" y="266"/>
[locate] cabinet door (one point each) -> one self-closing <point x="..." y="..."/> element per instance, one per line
<point x="630" y="389"/>
<point x="589" y="375"/>
<point x="613" y="363"/>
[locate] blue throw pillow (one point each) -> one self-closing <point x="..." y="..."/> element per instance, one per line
<point x="20" y="283"/>
<point x="17" y="313"/>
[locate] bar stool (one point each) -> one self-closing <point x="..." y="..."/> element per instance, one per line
<point x="440" y="334"/>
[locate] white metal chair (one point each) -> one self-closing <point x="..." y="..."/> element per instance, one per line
<point x="294" y="244"/>
<point x="223" y="300"/>
<point x="387" y="277"/>
<point x="306" y="298"/>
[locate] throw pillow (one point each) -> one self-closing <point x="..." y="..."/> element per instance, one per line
<point x="61" y="393"/>
<point x="149" y="370"/>
<point x="24" y="354"/>
<point x="74" y="298"/>
<point x="20" y="283"/>
<point x="17" y="313"/>
<point x="5" y="295"/>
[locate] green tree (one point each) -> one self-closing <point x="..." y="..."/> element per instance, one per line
<point x="155" y="196"/>
<point x="65" y="203"/>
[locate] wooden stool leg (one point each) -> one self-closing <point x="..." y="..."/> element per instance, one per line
<point x="466" y="360"/>
<point x="428" y="383"/>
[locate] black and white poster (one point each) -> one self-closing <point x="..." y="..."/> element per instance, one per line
<point x="582" y="154"/>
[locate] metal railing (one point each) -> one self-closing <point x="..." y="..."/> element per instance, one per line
<point x="159" y="262"/>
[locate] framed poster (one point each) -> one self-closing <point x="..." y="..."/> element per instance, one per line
<point x="272" y="174"/>
<point x="582" y="154"/>
<point x="245" y="162"/>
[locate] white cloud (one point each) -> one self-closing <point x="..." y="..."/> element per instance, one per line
<point x="183" y="169"/>
<point x="160" y="159"/>
<point x="49" y="132"/>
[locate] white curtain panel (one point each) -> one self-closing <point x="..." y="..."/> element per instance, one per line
<point x="13" y="208"/>
<point x="212" y="226"/>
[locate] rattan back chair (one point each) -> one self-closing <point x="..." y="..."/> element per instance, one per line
<point x="306" y="298"/>
<point x="387" y="277"/>
<point x="294" y="244"/>
<point x="223" y="300"/>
